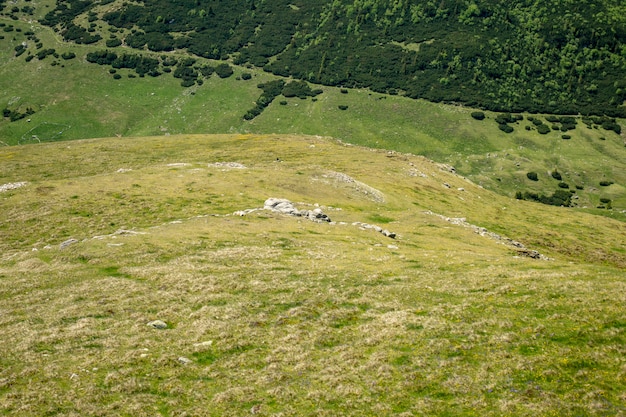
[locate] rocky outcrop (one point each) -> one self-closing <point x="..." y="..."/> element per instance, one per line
<point x="366" y="226"/>
<point x="285" y="206"/>
<point x="518" y="246"/>
<point x="12" y="186"/>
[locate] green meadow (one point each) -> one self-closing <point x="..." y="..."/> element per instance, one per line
<point x="125" y="201"/>
<point x="272" y="314"/>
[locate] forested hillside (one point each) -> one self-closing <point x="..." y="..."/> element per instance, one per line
<point x="551" y="56"/>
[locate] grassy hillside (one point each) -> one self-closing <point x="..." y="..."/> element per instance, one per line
<point x="98" y="106"/>
<point x="272" y="314"/>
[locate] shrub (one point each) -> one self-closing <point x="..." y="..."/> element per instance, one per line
<point x="532" y="176"/>
<point x="563" y="185"/>
<point x="606" y="183"/>
<point x="117" y="76"/>
<point x="478" y="115"/>
<point x="297" y="89"/>
<point x="536" y="122"/>
<point x="505" y="128"/>
<point x="605" y="200"/>
<point x="246" y="76"/>
<point x="344" y="91"/>
<point x="342" y="107"/>
<point x="579" y="187"/>
<point x="543" y="129"/>
<point x="283" y="103"/>
<point x="224" y="70"/>
<point x="527" y="127"/>
<point x="505" y="118"/>
<point x="68" y="55"/>
<point x="566" y="137"/>
<point x="112" y="43"/>
<point x="556" y="175"/>
<point x="187" y="82"/>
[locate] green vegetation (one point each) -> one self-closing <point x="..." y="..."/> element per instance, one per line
<point x="555" y="57"/>
<point x="532" y="176"/>
<point x="280" y="315"/>
<point x="274" y="315"/>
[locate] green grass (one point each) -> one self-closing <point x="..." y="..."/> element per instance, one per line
<point x="287" y="315"/>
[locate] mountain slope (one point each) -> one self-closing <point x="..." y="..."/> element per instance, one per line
<point x="526" y="55"/>
<point x="271" y="313"/>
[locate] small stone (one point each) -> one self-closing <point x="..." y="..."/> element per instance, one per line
<point x="184" y="361"/>
<point x="67" y="243"/>
<point x="388" y="234"/>
<point x="158" y="324"/>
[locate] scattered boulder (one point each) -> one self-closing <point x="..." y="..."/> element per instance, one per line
<point x="231" y="165"/>
<point x="389" y="234"/>
<point x="284" y="206"/>
<point x="519" y="247"/>
<point x="184" y="361"/>
<point x="158" y="324"/>
<point x="12" y="186"/>
<point x="67" y="243"/>
<point x="366" y="226"/>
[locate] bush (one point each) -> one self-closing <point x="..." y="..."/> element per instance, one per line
<point x="536" y="122"/>
<point x="566" y="137"/>
<point x="556" y="175"/>
<point x="543" y="129"/>
<point x="246" y="76"/>
<point x="283" y="103"/>
<point x="563" y="185"/>
<point x="505" y="128"/>
<point x="344" y="91"/>
<point x="112" y="43"/>
<point x="297" y="89"/>
<point x="478" y="115"/>
<point x="342" y="107"/>
<point x="117" y="76"/>
<point x="605" y="200"/>
<point x="187" y="82"/>
<point x="223" y="70"/>
<point x="606" y="183"/>
<point x="68" y="55"/>
<point x="505" y="118"/>
<point x="532" y="176"/>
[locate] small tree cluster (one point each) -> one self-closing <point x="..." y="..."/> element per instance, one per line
<point x="299" y="89"/>
<point x="558" y="198"/>
<point x="14" y="115"/>
<point x="504" y="119"/>
<point x="271" y="90"/>
<point x="532" y="176"/>
<point x="478" y="115"/>
<point x="223" y="70"/>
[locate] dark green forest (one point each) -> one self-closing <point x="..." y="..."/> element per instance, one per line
<point x="550" y="56"/>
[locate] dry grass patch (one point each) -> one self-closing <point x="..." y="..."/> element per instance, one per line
<point x="285" y="316"/>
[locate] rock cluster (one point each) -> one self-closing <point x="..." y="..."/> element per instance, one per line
<point x="521" y="249"/>
<point x="12" y="186"/>
<point x="285" y="206"/>
<point x="366" y="226"/>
